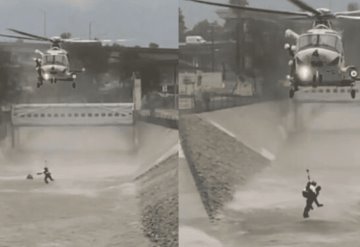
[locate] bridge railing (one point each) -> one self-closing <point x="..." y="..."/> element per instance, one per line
<point x="72" y="114"/>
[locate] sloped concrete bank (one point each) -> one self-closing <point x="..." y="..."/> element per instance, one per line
<point x="217" y="161"/>
<point x="225" y="148"/>
<point x="94" y="171"/>
<point x="157" y="184"/>
<point x="158" y="195"/>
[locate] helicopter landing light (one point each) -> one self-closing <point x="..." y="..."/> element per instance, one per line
<point x="304" y="73"/>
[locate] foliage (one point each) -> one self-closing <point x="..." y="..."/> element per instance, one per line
<point x="239" y="2"/>
<point x="65" y="35"/>
<point x="208" y="30"/>
<point x="153" y="45"/>
<point x="93" y="57"/>
<point x="129" y="62"/>
<point x="4" y="74"/>
<point x="353" y="6"/>
<point x="182" y="26"/>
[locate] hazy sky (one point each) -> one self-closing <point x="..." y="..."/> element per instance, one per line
<point x="139" y="21"/>
<point x="194" y="12"/>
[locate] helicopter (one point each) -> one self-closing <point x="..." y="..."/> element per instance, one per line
<point x="317" y="57"/>
<point x="53" y="66"/>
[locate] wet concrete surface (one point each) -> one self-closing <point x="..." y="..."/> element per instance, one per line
<point x="93" y="200"/>
<point x="267" y="210"/>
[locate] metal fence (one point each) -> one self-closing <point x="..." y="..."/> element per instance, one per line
<point x="214" y="101"/>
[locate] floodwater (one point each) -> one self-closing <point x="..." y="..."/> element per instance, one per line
<point x="92" y="201"/>
<point x="268" y="210"/>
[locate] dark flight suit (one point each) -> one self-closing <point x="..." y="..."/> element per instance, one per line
<point x="47" y="175"/>
<point x="311" y="197"/>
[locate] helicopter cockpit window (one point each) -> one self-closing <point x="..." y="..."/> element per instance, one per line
<point x="55" y="59"/>
<point x="331" y="41"/>
<point x="323" y="40"/>
<point x="307" y="41"/>
<point x="60" y="59"/>
<point x="47" y="59"/>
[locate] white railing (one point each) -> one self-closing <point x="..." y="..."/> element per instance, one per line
<point x="72" y="114"/>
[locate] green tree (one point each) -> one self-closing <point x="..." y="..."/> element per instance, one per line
<point x="65" y="35"/>
<point x="93" y="57"/>
<point x="239" y="2"/>
<point x="351" y="38"/>
<point x="182" y="26"/>
<point x="207" y="30"/>
<point x="153" y="45"/>
<point x="353" y="6"/>
<point x="4" y="73"/>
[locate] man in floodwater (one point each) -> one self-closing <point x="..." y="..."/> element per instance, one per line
<point x="47" y="174"/>
<point x="311" y="192"/>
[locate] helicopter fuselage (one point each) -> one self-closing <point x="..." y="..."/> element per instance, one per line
<point x="55" y="72"/>
<point x="318" y="60"/>
<point x="54" y="66"/>
<point x="320" y="67"/>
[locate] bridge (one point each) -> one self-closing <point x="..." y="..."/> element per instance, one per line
<point x="72" y="114"/>
<point x="77" y="114"/>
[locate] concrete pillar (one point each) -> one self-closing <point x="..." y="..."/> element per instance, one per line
<point x="137" y="94"/>
<point x="135" y="136"/>
<point x="14" y="136"/>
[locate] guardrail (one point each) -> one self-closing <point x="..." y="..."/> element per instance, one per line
<point x="72" y="114"/>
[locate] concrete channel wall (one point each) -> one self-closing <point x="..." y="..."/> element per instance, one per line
<point x="158" y="194"/>
<point x="224" y="149"/>
<point x="157" y="185"/>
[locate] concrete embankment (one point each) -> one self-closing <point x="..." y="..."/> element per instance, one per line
<point x="218" y="162"/>
<point x="224" y="149"/>
<point x="157" y="183"/>
<point x="158" y="193"/>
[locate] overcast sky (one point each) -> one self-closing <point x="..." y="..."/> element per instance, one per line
<point x="195" y="12"/>
<point x="139" y="21"/>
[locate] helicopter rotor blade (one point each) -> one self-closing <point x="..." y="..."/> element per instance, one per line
<point x="349" y="13"/>
<point x="37" y="37"/>
<point x="17" y="37"/>
<point x="305" y="7"/>
<point x="299" y="18"/>
<point x="348" y="17"/>
<point x="80" y="41"/>
<point x="234" y="6"/>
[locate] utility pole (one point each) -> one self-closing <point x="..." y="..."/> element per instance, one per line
<point x="212" y="48"/>
<point x="237" y="52"/>
<point x="90" y="26"/>
<point x="44" y="20"/>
